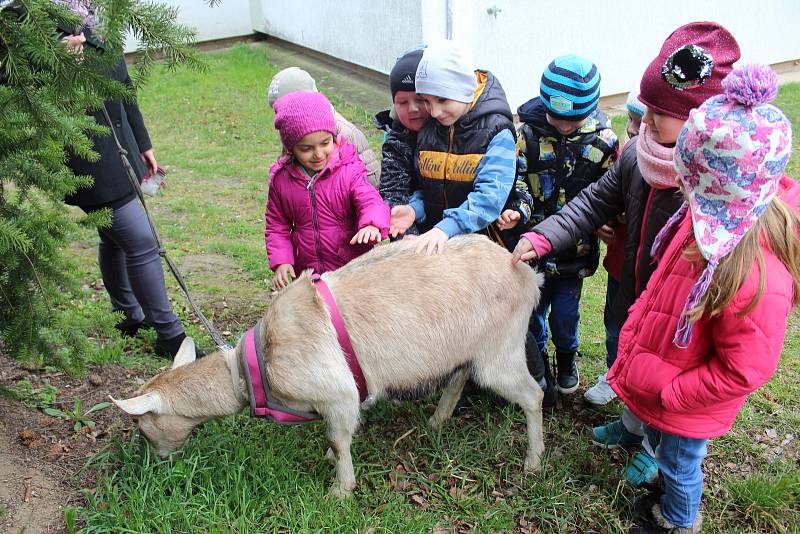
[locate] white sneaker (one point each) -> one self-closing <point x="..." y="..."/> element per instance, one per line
<point x="600" y="393"/>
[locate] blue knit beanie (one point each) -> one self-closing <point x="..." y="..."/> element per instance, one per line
<point x="635" y="105"/>
<point x="570" y="87"/>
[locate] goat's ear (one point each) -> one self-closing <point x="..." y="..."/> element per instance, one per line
<point x="149" y="402"/>
<point x="186" y="354"/>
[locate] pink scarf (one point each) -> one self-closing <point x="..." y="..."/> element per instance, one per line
<point x="655" y="161"/>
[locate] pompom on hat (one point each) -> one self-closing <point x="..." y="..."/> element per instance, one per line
<point x="301" y="113"/>
<point x="690" y="68"/>
<point x="730" y="156"/>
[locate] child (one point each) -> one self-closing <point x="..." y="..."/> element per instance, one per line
<point x="565" y="144"/>
<point x="399" y="177"/>
<point x="613" y="235"/>
<point x="295" y="79"/>
<point x="710" y="326"/>
<point x="465" y="155"/>
<point x="321" y="211"/>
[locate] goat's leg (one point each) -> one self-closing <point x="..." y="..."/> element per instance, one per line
<point x="511" y="380"/>
<point x="449" y="399"/>
<point x="342" y="424"/>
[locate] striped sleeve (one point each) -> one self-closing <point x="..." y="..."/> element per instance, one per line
<point x="493" y="182"/>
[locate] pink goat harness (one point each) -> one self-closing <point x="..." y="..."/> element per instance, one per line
<point x="262" y="402"/>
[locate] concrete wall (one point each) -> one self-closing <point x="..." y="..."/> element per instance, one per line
<point x="525" y="35"/>
<point x="231" y="18"/>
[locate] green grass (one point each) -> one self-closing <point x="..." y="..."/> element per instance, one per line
<point x="214" y="132"/>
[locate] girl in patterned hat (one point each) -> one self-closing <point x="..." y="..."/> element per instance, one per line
<point x="709" y="328"/>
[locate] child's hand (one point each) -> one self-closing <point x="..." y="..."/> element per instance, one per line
<point x="606" y="234"/>
<point x="431" y="242"/>
<point x="284" y="275"/>
<point x="368" y="234"/>
<point x="508" y="219"/>
<point x="523" y="251"/>
<point x="403" y="216"/>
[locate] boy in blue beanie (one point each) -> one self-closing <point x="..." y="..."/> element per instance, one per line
<point x="565" y="143"/>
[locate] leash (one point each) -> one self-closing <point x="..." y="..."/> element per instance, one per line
<point x="161" y="250"/>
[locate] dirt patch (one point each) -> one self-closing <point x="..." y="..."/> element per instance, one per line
<point x="235" y="309"/>
<point x="41" y="456"/>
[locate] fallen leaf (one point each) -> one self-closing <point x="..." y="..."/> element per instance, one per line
<point x="772" y="433"/>
<point x="419" y="500"/>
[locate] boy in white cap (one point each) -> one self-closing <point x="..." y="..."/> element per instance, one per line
<point x="466" y="155"/>
<point x="294" y="79"/>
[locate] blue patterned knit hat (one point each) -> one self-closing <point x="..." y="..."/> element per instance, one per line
<point x="570" y="87"/>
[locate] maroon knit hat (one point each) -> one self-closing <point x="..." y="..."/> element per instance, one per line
<point x="689" y="69"/>
<point x="301" y="113"/>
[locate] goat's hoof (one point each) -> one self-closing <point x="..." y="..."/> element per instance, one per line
<point x="435" y="423"/>
<point x="533" y="466"/>
<point x="340" y="491"/>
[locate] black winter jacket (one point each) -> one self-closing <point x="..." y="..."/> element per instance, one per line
<point x="112" y="187"/>
<point x="399" y="175"/>
<point x="557" y="168"/>
<point x="621" y="189"/>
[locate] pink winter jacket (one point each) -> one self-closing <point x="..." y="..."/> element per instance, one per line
<point x="309" y="226"/>
<point x="696" y="392"/>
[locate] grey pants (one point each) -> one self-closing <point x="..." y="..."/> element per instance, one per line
<point x="132" y="272"/>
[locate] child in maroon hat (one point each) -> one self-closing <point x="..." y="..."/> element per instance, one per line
<point x="643" y="184"/>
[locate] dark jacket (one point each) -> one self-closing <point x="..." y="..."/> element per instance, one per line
<point x="557" y="168"/>
<point x="621" y="189"/>
<point x="399" y="175"/>
<point x="449" y="157"/>
<point x="111" y="186"/>
<point x="398" y="167"/>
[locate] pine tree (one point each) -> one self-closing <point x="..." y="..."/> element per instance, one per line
<point x="45" y="91"/>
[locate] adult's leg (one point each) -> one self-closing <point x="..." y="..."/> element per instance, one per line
<point x="112" y="262"/>
<point x="131" y="233"/>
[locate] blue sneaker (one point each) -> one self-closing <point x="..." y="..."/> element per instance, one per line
<point x="614" y="435"/>
<point x="642" y="472"/>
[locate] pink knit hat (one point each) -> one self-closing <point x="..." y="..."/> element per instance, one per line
<point x="299" y="114"/>
<point x="730" y="156"/>
<point x="689" y="69"/>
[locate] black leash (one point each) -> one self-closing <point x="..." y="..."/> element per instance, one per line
<point x="161" y="250"/>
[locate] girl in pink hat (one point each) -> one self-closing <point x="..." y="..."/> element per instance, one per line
<point x="321" y="211"/>
<point x="709" y="328"/>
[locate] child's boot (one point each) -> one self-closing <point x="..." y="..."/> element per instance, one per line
<point x="650" y="520"/>
<point x="567" y="378"/>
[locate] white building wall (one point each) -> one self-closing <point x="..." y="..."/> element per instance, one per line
<point x="230" y="18"/>
<point x="621" y="37"/>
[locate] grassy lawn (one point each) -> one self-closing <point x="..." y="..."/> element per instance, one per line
<point x="214" y="133"/>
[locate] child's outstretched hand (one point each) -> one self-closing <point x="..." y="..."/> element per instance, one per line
<point x="368" y="234"/>
<point x="606" y="234"/>
<point x="523" y="251"/>
<point x="508" y="219"/>
<point x="284" y="275"/>
<point x="403" y="216"/>
<point x="431" y="242"/>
